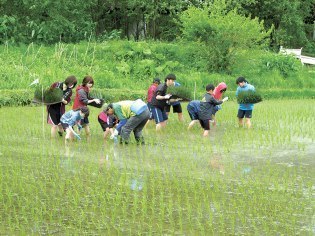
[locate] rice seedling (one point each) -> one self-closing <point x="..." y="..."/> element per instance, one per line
<point x="172" y="185"/>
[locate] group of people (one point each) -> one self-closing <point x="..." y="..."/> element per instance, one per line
<point x="124" y="117"/>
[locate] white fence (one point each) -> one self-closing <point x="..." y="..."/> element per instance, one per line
<point x="298" y="54"/>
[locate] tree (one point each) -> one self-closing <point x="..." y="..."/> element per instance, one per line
<point x="223" y="32"/>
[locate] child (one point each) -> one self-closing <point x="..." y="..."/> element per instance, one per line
<point x="177" y="107"/>
<point x="244" y="110"/>
<point x="135" y="117"/>
<point x="107" y="122"/>
<point x="193" y="108"/>
<point x="55" y="111"/>
<point x="71" y="118"/>
<point x="159" y="101"/>
<point x="151" y="91"/>
<point x="217" y="94"/>
<point x="207" y="105"/>
<point x="83" y="98"/>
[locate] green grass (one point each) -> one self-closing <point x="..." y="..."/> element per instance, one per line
<point x="235" y="182"/>
<point x="133" y="65"/>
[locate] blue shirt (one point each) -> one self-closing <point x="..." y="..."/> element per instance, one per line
<point x="246" y="87"/>
<point x="71" y="117"/>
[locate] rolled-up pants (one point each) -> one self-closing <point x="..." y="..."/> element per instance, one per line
<point x="135" y="124"/>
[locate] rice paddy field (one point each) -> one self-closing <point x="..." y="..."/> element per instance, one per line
<point x="234" y="182"/>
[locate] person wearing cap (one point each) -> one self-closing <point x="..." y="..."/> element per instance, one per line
<point x="135" y="114"/>
<point x="55" y="111"/>
<point x="207" y="106"/>
<point x="159" y="101"/>
<point x="72" y="118"/>
<point x="107" y="122"/>
<point x="244" y="110"/>
<point x="151" y="91"/>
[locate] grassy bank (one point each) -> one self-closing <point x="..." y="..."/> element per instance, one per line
<point x="132" y="66"/>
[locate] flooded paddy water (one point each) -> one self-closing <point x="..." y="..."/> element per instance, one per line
<point x="236" y="181"/>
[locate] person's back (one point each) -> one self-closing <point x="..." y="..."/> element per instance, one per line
<point x="207" y="105"/>
<point x="71" y="117"/>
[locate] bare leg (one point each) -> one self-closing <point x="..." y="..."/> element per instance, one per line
<point x="160" y="125"/>
<point x="180" y="117"/>
<point x="240" y="122"/>
<point x="69" y="136"/>
<point x="87" y="132"/>
<point x="205" y="133"/>
<point x="248" y="124"/>
<point x="53" y="131"/>
<point x="191" y="124"/>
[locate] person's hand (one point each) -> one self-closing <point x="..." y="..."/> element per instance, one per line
<point x="77" y="136"/>
<point x="225" y="99"/>
<point x="114" y="134"/>
<point x="168" y="96"/>
<point x="97" y="101"/>
<point x="64" y="101"/>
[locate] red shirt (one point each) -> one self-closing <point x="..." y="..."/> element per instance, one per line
<point x="151" y="91"/>
<point x="82" y="97"/>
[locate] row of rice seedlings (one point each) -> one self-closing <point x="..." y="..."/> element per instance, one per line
<point x="171" y="191"/>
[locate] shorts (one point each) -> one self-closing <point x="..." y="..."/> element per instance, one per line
<point x="84" y="122"/>
<point x="193" y="114"/>
<point x="159" y="115"/>
<point x="244" y="113"/>
<point x="103" y="124"/>
<point x="177" y="108"/>
<point x="205" y="124"/>
<point x="64" y="126"/>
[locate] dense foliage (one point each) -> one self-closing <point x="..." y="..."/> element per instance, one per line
<point x="72" y="21"/>
<point x="125" y="69"/>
